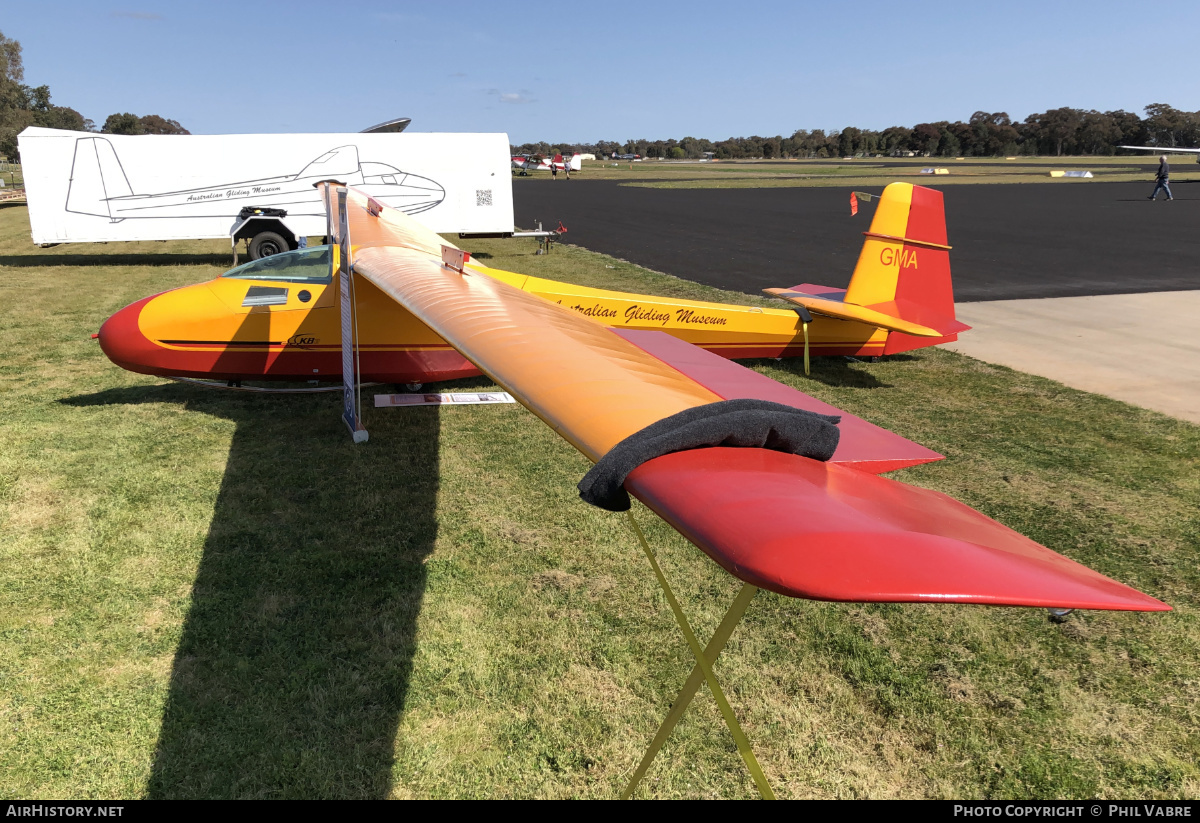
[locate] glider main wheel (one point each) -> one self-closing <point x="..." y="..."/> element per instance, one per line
<point x="414" y="386"/>
<point x="266" y="243"/>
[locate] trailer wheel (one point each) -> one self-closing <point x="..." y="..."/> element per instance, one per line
<point x="266" y="243"/>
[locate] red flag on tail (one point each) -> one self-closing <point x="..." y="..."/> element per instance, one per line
<point x="855" y="196"/>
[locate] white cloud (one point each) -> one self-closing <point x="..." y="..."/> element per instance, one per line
<point x="514" y="97"/>
<point x="139" y="15"/>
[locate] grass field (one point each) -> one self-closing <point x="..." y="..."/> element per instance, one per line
<point x="210" y="594"/>
<point x="867" y="172"/>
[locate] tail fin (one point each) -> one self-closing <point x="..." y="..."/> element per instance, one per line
<point x="904" y="267"/>
<point x="96" y="178"/>
<point x="576" y="162"/>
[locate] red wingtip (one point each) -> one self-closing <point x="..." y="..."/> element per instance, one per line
<point x="827" y="532"/>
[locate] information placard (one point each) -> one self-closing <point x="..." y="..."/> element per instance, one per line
<point x="446" y="399"/>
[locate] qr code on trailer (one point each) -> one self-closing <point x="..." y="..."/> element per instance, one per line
<point x="483" y="197"/>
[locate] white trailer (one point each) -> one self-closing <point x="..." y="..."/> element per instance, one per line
<point x="84" y="187"/>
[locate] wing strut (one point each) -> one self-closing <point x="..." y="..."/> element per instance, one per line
<point x="351" y="402"/>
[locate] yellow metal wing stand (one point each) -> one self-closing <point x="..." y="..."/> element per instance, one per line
<point x="702" y="672"/>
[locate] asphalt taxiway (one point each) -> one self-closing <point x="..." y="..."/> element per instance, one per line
<point x="1012" y="241"/>
<point x="1086" y="283"/>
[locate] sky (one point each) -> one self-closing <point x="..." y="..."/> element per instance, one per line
<point x="604" y="71"/>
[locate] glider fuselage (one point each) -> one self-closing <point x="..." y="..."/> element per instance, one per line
<point x="264" y="322"/>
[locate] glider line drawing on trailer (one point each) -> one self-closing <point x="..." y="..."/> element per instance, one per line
<point x="100" y="187"/>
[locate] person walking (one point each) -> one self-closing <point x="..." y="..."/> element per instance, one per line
<point x="1162" y="179"/>
<point x="553" y="170"/>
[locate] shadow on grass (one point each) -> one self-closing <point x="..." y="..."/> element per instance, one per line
<point x="832" y="371"/>
<point x="292" y="671"/>
<point x="120" y="259"/>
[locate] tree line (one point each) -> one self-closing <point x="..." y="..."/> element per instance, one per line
<point x="985" y="134"/>
<point x="22" y="106"/>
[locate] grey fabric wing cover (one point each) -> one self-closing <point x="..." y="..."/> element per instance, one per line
<point x="746" y="423"/>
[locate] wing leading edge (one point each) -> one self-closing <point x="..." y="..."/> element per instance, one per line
<point x="780" y="521"/>
<point x="585" y="382"/>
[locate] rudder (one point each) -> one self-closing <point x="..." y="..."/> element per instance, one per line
<point x="904" y="267"/>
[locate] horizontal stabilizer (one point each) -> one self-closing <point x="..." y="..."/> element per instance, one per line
<point x="857" y="314"/>
<point x="823" y="531"/>
<point x="920" y="314"/>
<point x="828" y="292"/>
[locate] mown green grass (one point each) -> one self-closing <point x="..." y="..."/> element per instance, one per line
<point x="12" y="175"/>
<point x="207" y="594"/>
<point x="871" y="171"/>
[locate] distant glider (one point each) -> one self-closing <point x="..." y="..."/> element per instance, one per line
<point x="1162" y="150"/>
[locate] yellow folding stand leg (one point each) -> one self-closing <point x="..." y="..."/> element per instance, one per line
<point x="806" y="371"/>
<point x="702" y="672"/>
<point x="715" y="646"/>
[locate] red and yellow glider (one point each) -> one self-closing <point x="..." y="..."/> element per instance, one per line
<point x="277" y="318"/>
<point x="600" y="367"/>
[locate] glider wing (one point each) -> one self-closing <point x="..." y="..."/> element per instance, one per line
<point x="779" y="521"/>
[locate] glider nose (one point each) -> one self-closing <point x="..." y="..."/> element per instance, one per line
<point x="121" y="339"/>
<point x="421" y="194"/>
